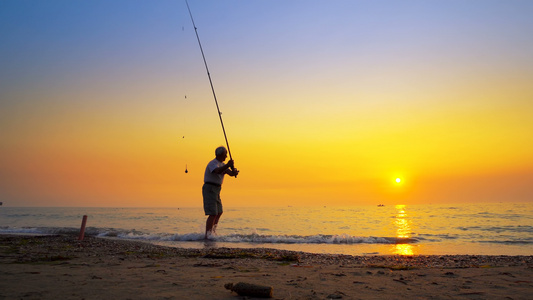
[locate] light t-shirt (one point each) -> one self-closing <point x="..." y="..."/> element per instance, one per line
<point x="209" y="176"/>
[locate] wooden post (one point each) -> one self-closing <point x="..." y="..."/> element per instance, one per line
<point x="82" y="229"/>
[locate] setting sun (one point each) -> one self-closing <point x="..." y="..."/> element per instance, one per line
<point x="398" y="180"/>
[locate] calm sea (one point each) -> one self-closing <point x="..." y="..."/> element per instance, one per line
<point x="481" y="229"/>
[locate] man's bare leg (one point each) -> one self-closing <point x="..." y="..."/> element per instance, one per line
<point x="209" y="224"/>
<point x="215" y="223"/>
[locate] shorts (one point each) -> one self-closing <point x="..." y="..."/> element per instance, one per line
<point x="212" y="201"/>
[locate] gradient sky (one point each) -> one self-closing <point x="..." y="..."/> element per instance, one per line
<point x="104" y="103"/>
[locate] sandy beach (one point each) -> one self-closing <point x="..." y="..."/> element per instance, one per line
<point x="61" y="267"/>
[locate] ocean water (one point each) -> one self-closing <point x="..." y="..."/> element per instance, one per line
<point x="477" y="229"/>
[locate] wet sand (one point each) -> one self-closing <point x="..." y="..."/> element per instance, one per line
<point x="61" y="267"/>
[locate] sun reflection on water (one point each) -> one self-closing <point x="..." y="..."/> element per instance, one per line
<point x="403" y="230"/>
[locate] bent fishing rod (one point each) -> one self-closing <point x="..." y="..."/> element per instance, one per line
<point x="210" y="81"/>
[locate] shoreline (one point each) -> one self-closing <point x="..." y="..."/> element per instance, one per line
<point x="60" y="266"/>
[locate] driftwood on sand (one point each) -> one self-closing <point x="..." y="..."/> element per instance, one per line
<point x="250" y="289"/>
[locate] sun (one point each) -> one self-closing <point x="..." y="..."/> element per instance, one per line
<point x="397" y="180"/>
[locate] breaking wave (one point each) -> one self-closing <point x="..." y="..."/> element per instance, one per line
<point x="252" y="238"/>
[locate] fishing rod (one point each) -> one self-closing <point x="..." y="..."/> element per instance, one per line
<point x="210" y="81"/>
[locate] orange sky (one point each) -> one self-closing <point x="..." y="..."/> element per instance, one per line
<point x="109" y="113"/>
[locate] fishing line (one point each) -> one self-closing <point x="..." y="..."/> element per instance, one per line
<point x="184" y="144"/>
<point x="210" y="81"/>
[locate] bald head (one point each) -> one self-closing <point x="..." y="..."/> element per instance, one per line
<point x="220" y="151"/>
